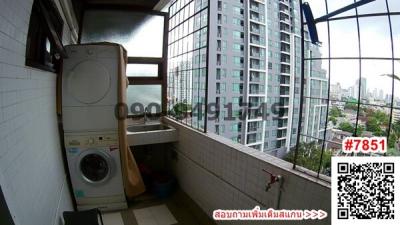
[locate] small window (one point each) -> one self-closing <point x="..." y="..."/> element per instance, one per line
<point x="142" y="70"/>
<point x="44" y="47"/>
<point x="140" y="97"/>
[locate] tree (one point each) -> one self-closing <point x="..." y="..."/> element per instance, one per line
<point x="360" y="130"/>
<point x="394" y="134"/>
<point x="373" y="125"/>
<point x="333" y="120"/>
<point x="335" y="112"/>
<point x="392" y="140"/>
<point x="346" y="126"/>
<point x="351" y="105"/>
<point x="309" y="155"/>
<point x="181" y="109"/>
<point x="376" y="120"/>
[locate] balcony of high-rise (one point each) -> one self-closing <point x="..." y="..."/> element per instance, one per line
<point x="190" y="106"/>
<point x="256" y="76"/>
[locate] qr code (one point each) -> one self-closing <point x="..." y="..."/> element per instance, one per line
<point x="364" y="188"/>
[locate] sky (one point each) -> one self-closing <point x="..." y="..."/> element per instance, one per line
<point x="375" y="42"/>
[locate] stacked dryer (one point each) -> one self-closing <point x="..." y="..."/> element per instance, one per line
<point x="89" y="97"/>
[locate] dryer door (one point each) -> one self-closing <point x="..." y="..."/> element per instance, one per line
<point x="95" y="166"/>
<point x="89" y="82"/>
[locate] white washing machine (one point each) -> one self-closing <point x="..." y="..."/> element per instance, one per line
<point x="89" y="87"/>
<point x="95" y="169"/>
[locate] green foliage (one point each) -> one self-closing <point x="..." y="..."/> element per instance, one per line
<point x="181" y="109"/>
<point x="394" y="135"/>
<point x="377" y="122"/>
<point x="351" y="104"/>
<point x="333" y="120"/>
<point x="392" y="140"/>
<point x="373" y="125"/>
<point x="360" y="130"/>
<point x="335" y="112"/>
<point x="309" y="155"/>
<point x="346" y="126"/>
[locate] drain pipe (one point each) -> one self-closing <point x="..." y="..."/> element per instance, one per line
<point x="280" y="188"/>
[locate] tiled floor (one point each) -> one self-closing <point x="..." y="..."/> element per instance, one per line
<point x="178" y="209"/>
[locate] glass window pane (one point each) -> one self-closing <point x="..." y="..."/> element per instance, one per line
<point x="378" y="81"/>
<point x="344" y="38"/>
<point x="342" y="123"/>
<point x="373" y="121"/>
<point x="322" y="29"/>
<point x="309" y="154"/>
<point x="316" y="85"/>
<point x="143" y="96"/>
<point x="396" y="35"/>
<point x="394" y="5"/>
<point x="375" y="37"/>
<point x="342" y="118"/>
<point x="394" y="138"/>
<point x="377" y="6"/>
<point x="345" y="75"/>
<point x="134" y="30"/>
<point x="337" y="4"/>
<point x="318" y="7"/>
<point x="142" y="70"/>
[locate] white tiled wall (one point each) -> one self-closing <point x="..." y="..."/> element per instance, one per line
<point x="31" y="169"/>
<point x="220" y="174"/>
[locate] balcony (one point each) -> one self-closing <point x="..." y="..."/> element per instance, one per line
<point x="194" y="164"/>
<point x="206" y="169"/>
<point x="252" y="128"/>
<point x="285" y="68"/>
<point x="285" y="58"/>
<point x="211" y="172"/>
<point x="256" y="89"/>
<point x="281" y="134"/>
<point x="282" y="123"/>
<point x="285" y="48"/>
<point x="285" y="27"/>
<point x="255" y="30"/>
<point x="255" y="77"/>
<point x="283" y="7"/>
<point x="256" y="17"/>
<point x="255" y="54"/>
<point x="284" y="92"/>
<point x="254" y="7"/>
<point x="284" y="80"/>
<point x="285" y="37"/>
<point x="283" y="17"/>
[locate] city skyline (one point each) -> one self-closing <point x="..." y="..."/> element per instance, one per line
<point x="344" y="43"/>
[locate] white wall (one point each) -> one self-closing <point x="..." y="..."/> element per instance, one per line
<point x="220" y="174"/>
<point x="31" y="168"/>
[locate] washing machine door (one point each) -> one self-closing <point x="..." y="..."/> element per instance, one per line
<point x="95" y="166"/>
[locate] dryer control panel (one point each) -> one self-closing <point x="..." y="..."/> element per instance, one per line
<point x="91" y="140"/>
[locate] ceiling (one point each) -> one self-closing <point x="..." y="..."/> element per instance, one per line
<point x="144" y="4"/>
<point x="80" y="5"/>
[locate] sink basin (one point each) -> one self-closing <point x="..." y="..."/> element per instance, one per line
<point x="148" y="127"/>
<point x="145" y="134"/>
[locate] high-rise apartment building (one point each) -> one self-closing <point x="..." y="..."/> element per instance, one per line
<point x="250" y="54"/>
<point x="363" y="91"/>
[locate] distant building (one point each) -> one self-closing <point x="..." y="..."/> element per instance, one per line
<point x="380" y="95"/>
<point x="396" y="115"/>
<point x="388" y="99"/>
<point x="336" y="91"/>
<point x="375" y="94"/>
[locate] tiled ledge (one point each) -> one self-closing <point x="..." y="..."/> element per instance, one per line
<point x="280" y="164"/>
